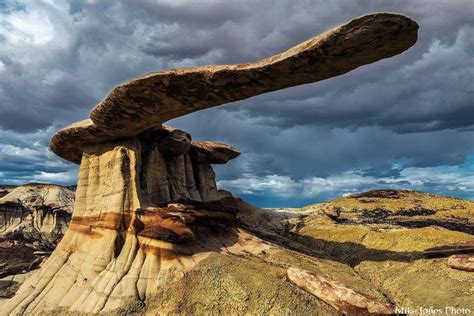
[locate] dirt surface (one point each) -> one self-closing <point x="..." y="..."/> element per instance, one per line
<point x="16" y="258"/>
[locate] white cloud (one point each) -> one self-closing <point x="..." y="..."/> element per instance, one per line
<point x="58" y="177"/>
<point x="8" y="150"/>
<point x="436" y="179"/>
<point x="29" y="26"/>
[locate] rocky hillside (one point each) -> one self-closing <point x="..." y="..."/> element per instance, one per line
<point x="33" y="218"/>
<point x="402" y="208"/>
<point x="414" y="248"/>
<point x="374" y="251"/>
<point x="36" y="213"/>
<point x="5" y="189"/>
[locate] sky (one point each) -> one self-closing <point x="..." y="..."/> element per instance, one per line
<point x="404" y="122"/>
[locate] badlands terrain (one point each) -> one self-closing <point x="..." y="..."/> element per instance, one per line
<point x="33" y="218"/>
<point x="389" y="248"/>
<point x="151" y="233"/>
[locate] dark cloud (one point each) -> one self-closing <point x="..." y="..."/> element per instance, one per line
<point x="314" y="150"/>
<point x="415" y="110"/>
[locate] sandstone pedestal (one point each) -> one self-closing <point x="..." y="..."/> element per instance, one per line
<point x="135" y="207"/>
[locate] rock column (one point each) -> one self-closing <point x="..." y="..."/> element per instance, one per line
<point x="133" y="224"/>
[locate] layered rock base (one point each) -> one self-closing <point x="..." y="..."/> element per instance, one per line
<point x="140" y="204"/>
<point x="36" y="213"/>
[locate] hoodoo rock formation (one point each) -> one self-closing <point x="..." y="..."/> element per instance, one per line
<point x="147" y="207"/>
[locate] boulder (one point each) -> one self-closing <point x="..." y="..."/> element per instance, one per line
<point x="212" y="152"/>
<point x="173" y="141"/>
<point x="344" y="299"/>
<point x="462" y="262"/>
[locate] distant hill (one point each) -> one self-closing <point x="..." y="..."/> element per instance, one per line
<point x="386" y="246"/>
<point x="403" y="208"/>
<point x="33" y="218"/>
<point x="36" y="212"/>
<point x="4" y="189"/>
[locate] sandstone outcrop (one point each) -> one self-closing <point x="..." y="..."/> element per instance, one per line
<point x="214" y="153"/>
<point x="37" y="213"/>
<point x="149" y="224"/>
<point x="33" y="219"/>
<point x="386" y="263"/>
<point x="4" y="189"/>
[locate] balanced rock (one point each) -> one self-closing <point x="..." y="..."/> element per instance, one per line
<point x="147" y="207"/>
<point x="148" y="101"/>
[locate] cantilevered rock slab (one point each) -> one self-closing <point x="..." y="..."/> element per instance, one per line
<point x="155" y="98"/>
<point x="213" y="152"/>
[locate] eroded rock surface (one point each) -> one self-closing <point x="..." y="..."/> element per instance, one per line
<point x="401" y="260"/>
<point x="4" y="189"/>
<point x="462" y="262"/>
<point x="36" y="213"/>
<point x="152" y="99"/>
<point x="141" y="218"/>
<point x="342" y="298"/>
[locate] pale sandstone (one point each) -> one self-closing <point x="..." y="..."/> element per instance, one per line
<point x="36" y="213"/>
<point x="339" y="296"/>
<point x="117" y="244"/>
<point x="462" y="262"/>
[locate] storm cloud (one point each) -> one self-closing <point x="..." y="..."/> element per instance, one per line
<point x="402" y="122"/>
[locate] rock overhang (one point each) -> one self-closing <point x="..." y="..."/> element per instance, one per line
<point x="147" y="102"/>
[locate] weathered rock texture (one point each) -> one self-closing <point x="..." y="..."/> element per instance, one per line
<point x="155" y="98"/>
<point x="4" y="189"/>
<point x="384" y="263"/>
<point x="36" y="213"/>
<point x="342" y="298"/>
<point x="462" y="262"/>
<point x="150" y="231"/>
<point x="138" y="213"/>
<point x="399" y="241"/>
<point x="16" y="258"/>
